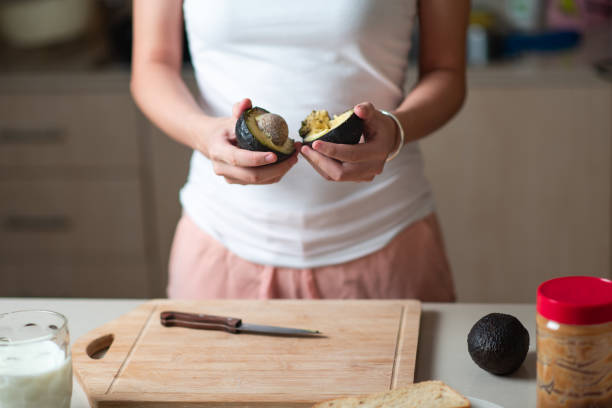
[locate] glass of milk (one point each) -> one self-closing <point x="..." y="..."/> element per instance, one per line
<point x="35" y="361"/>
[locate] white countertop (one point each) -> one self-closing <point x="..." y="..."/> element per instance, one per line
<point x="442" y="351"/>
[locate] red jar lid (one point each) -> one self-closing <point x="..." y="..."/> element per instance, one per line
<point x="576" y="300"/>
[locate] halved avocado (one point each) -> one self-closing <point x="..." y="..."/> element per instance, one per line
<point x="345" y="128"/>
<point x="262" y="131"/>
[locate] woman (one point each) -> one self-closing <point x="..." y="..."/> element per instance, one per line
<point x="332" y="221"/>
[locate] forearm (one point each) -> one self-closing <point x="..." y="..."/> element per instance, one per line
<point x="437" y="97"/>
<point x="163" y="96"/>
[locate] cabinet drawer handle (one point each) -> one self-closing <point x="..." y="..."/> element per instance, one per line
<point x="32" y="136"/>
<point x="37" y="223"/>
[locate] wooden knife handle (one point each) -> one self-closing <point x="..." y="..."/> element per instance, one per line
<point x="200" y="321"/>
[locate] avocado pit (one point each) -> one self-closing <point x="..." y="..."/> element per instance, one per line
<point x="274" y="127"/>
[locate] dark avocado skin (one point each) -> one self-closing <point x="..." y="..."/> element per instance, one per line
<point x="348" y="132"/>
<point x="498" y="343"/>
<point x="247" y="141"/>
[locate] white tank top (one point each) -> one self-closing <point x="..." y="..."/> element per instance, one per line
<point x="291" y="57"/>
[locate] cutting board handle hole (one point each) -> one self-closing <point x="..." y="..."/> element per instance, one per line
<point x="97" y="348"/>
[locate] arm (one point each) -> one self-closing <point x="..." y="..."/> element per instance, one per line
<point x="438" y="95"/>
<point x="441" y="89"/>
<point x="158" y="89"/>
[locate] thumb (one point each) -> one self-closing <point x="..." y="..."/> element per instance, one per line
<point x="240" y="107"/>
<point x="364" y="110"/>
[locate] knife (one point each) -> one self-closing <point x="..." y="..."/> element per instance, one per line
<point x="228" y="324"/>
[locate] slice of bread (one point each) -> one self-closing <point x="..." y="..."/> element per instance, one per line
<point x="426" y="394"/>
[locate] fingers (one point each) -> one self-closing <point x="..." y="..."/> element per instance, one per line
<point x="350" y="153"/>
<point x="314" y="166"/>
<point x="240" y="107"/>
<point x="234" y="156"/>
<point x="379" y="132"/>
<point x="333" y="170"/>
<point x="328" y="168"/>
<point x="370" y="116"/>
<point x="254" y="175"/>
<point x="365" y="110"/>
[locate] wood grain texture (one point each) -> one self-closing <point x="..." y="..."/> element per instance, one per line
<point x="97" y="375"/>
<point x="370" y="346"/>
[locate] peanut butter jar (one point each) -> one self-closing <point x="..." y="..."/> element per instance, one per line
<point x="574" y="343"/>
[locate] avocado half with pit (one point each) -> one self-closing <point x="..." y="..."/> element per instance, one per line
<point x="261" y="131"/>
<point x="345" y="128"/>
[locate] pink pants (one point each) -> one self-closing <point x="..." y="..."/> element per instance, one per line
<point x="413" y="265"/>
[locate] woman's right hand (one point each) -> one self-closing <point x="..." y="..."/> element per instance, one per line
<point x="216" y="139"/>
<point x="158" y="35"/>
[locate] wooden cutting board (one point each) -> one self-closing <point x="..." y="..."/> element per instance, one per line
<point x="370" y="346"/>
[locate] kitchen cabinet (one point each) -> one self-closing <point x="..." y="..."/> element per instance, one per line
<point x="522" y="180"/>
<point x="71" y="189"/>
<point x="89" y="188"/>
<point x="77" y="129"/>
<point x="70" y="217"/>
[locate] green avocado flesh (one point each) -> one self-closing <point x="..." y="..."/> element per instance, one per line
<point x="250" y="136"/>
<point x="498" y="343"/>
<point x="345" y="128"/>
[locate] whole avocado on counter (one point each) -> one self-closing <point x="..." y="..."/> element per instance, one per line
<point x="498" y="343"/>
<point x="345" y="128"/>
<point x="262" y="131"/>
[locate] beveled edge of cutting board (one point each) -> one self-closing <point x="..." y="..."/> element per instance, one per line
<point x="87" y="369"/>
<point x="404" y="364"/>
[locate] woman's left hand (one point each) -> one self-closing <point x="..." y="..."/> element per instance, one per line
<point x="359" y="162"/>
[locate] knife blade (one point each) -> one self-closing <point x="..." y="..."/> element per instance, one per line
<point x="229" y="324"/>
